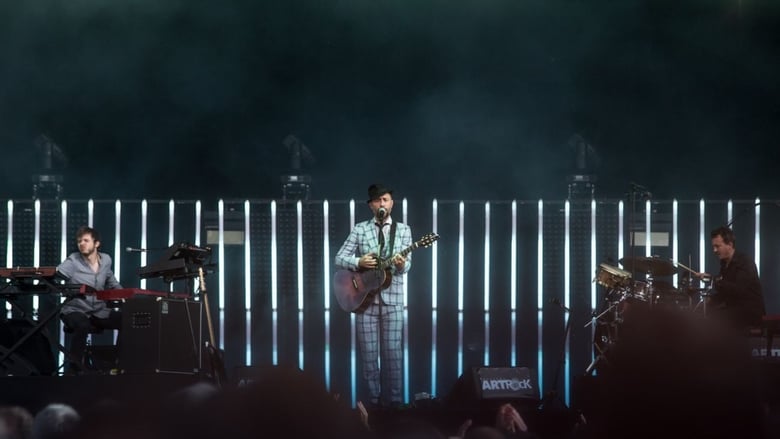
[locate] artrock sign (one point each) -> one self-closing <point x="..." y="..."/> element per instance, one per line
<point x="506" y="383"/>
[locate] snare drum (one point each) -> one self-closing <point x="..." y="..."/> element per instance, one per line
<point x="612" y="277"/>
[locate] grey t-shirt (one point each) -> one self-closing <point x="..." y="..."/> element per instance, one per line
<point x="76" y="269"/>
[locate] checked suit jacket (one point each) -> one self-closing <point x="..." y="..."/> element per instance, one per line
<point x="362" y="240"/>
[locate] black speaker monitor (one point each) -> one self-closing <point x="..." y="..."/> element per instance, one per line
<point x="161" y="335"/>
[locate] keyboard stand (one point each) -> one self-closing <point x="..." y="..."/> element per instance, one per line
<point x="40" y="281"/>
<point x="38" y="328"/>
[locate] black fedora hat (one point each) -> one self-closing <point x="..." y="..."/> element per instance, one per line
<point x="376" y="190"/>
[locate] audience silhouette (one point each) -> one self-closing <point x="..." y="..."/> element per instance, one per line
<point x="55" y="421"/>
<point x="672" y="376"/>
<point x="15" y="422"/>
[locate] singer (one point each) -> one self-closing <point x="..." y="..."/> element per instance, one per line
<point x="380" y="324"/>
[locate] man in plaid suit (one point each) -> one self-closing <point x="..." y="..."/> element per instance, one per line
<point x="380" y="322"/>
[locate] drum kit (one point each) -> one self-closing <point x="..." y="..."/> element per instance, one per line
<point x="641" y="284"/>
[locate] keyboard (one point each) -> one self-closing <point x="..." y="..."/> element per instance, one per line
<point x="129" y="293"/>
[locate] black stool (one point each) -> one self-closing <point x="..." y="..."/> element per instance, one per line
<point x="97" y="358"/>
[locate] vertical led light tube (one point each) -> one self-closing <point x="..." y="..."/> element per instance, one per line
<point x="117" y="251"/>
<point x="434" y="296"/>
<point x="274" y="288"/>
<point x="144" y="219"/>
<point x="648" y="231"/>
<point x="730" y="211"/>
<point x="37" y="235"/>
<point x="63" y="255"/>
<point x="540" y="294"/>
<point x="675" y="245"/>
<point x="461" y="269"/>
<point x="171" y="222"/>
<point x="405" y="216"/>
<point x="326" y="267"/>
<point x="513" y="288"/>
<point x="91" y="213"/>
<point x="198" y="219"/>
<point x="593" y="299"/>
<point x="221" y="269"/>
<point x="36" y="250"/>
<point x="701" y="236"/>
<point x="299" y="254"/>
<point x="566" y="293"/>
<point x="486" y="284"/>
<point x="9" y="250"/>
<point x="118" y="240"/>
<point x="758" y="236"/>
<point x="247" y="282"/>
<point x="621" y="230"/>
<point x="63" y="230"/>
<point x="171" y="213"/>
<point x="352" y="328"/>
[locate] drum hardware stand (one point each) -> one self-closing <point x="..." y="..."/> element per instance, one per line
<point x="599" y="316"/>
<point x="601" y="353"/>
<point x="704" y="294"/>
<point x="597" y="359"/>
<point x="651" y="291"/>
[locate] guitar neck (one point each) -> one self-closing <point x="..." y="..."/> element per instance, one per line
<point x="385" y="263"/>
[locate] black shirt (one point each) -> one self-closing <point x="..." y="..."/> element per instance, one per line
<point x="739" y="297"/>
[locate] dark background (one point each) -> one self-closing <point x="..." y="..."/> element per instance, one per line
<point x="447" y="99"/>
<point x="453" y="99"/>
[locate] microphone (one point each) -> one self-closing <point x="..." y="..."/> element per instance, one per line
<point x="745" y="210"/>
<point x="132" y="249"/>
<point x="556" y="301"/>
<point x="381" y="213"/>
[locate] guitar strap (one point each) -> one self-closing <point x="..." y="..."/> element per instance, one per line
<point x="392" y="239"/>
<point x="389" y="254"/>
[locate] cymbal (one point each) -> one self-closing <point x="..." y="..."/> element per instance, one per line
<point x="649" y="265"/>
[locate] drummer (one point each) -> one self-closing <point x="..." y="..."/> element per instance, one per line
<point x="738" y="297"/>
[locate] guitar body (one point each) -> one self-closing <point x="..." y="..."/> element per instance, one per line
<point x="355" y="290"/>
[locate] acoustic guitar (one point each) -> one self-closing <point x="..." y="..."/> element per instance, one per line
<point x="355" y="289"/>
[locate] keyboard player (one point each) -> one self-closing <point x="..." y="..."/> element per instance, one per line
<point x="83" y="314"/>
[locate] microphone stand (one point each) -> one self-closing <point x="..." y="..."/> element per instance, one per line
<point x="553" y="394"/>
<point x="635" y="190"/>
<point x="742" y="212"/>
